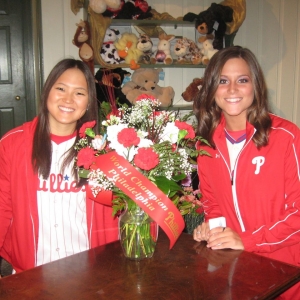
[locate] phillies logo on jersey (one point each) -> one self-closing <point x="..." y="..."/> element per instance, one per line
<point x="59" y="183"/>
<point x="258" y="161"/>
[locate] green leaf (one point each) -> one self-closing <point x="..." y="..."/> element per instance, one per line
<point x="166" y="185"/>
<point x="182" y="133"/>
<point x="83" y="173"/>
<point x="89" y="132"/>
<point x="178" y="177"/>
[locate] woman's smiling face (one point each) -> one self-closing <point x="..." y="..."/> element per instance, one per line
<point x="235" y="93"/>
<point x="67" y="101"/>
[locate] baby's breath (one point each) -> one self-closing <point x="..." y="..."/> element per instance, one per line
<point x="154" y="128"/>
<point x="99" y="182"/>
<point x="82" y="143"/>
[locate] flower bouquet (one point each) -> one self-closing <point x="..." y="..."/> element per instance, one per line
<point x="142" y="156"/>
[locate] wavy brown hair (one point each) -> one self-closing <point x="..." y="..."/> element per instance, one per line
<point x="207" y="112"/>
<point x="42" y="149"/>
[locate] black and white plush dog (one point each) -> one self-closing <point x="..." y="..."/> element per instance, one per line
<point x="108" y="50"/>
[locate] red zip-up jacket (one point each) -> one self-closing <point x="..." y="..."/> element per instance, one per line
<point x="19" y="220"/>
<point x="260" y="199"/>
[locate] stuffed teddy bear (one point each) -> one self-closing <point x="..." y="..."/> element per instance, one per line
<point x="207" y="50"/>
<point x="187" y="51"/>
<point x="135" y="9"/>
<point x="144" y="81"/>
<point x="82" y="41"/>
<point x="163" y="52"/>
<point x="145" y="44"/>
<point x="111" y="12"/>
<point x="100" y="6"/>
<point x="108" y="50"/>
<point x="108" y="85"/>
<point x="192" y="90"/>
<point x="127" y="49"/>
<point x="212" y="21"/>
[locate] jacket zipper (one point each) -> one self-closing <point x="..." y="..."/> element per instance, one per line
<point x="233" y="187"/>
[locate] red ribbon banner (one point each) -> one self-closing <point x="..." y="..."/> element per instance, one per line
<point x="143" y="192"/>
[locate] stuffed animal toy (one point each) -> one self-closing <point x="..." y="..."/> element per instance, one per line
<point x="135" y="9"/>
<point x="82" y="41"/>
<point x="76" y="5"/>
<point x="108" y="85"/>
<point x="212" y="21"/>
<point x="187" y="51"/>
<point x="144" y="81"/>
<point x="111" y="12"/>
<point x="108" y="51"/>
<point x="127" y="49"/>
<point x="207" y="50"/>
<point x="145" y="44"/>
<point x="100" y="6"/>
<point x="192" y="90"/>
<point x="163" y="52"/>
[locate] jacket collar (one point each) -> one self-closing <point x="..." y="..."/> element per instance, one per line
<point x="220" y="138"/>
<point x="220" y="130"/>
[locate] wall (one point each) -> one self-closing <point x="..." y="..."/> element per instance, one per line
<point x="271" y="30"/>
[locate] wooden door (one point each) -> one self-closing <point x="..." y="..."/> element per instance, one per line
<point x="17" y="83"/>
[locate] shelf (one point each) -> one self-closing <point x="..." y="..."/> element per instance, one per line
<point x="180" y="107"/>
<point x="161" y="65"/>
<point x="149" y="22"/>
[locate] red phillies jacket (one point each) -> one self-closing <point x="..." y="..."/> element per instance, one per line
<point x="19" y="220"/>
<point x="261" y="199"/>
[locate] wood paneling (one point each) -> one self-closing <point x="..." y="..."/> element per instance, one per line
<point x="5" y="63"/>
<point x="271" y="30"/>
<point x="7" y="119"/>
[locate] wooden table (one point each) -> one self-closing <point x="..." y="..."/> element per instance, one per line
<point x="188" y="271"/>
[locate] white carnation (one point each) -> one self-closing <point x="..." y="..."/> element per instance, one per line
<point x="170" y="133"/>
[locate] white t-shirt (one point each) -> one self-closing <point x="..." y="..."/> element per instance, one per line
<point x="234" y="145"/>
<point x="62" y="211"/>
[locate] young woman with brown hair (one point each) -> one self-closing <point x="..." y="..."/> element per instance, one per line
<point x="252" y="176"/>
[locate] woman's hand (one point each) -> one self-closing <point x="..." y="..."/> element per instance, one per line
<point x="224" y="238"/>
<point x="218" y="238"/>
<point x="201" y="232"/>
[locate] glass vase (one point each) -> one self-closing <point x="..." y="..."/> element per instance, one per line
<point x="138" y="233"/>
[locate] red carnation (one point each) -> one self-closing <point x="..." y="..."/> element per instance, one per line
<point x="128" y="137"/>
<point x="185" y="126"/>
<point x="157" y="113"/>
<point x="146" y="159"/>
<point x="116" y="114"/>
<point x="145" y="96"/>
<point x="85" y="157"/>
<point x="84" y="127"/>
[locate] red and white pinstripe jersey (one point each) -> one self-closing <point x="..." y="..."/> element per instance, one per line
<point x="61" y="209"/>
<point x="19" y="213"/>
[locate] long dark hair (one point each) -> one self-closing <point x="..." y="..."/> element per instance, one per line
<point x="42" y="149"/>
<point x="208" y="113"/>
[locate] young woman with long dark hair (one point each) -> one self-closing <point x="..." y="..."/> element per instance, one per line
<point x="44" y="212"/>
<point x="252" y="176"/>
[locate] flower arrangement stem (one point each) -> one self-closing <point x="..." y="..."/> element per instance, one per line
<point x="138" y="237"/>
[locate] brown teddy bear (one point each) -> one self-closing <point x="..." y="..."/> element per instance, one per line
<point x="192" y="90"/>
<point x="144" y="81"/>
